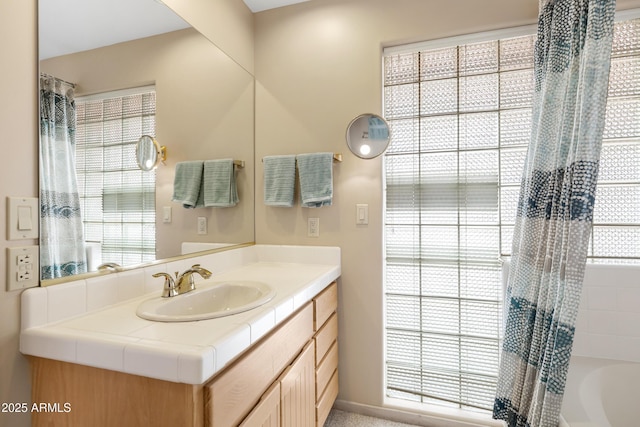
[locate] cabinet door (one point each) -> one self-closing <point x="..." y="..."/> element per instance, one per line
<point x="231" y="396"/>
<point x="297" y="391"/>
<point x="267" y="412"/>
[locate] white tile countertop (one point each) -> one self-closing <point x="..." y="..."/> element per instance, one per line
<point x="93" y="322"/>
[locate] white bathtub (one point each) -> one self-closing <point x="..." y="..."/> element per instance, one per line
<point x="601" y="393"/>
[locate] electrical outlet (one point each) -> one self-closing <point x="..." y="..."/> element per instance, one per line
<point x="313" y="227"/>
<point x="22" y="267"/>
<point x="202" y="225"/>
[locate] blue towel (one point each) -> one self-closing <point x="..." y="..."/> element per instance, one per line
<point x="219" y="184"/>
<point x="187" y="184"/>
<point x="279" y="180"/>
<point x="316" y="179"/>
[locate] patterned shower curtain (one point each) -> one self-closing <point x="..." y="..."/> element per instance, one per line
<point x="62" y="251"/>
<point x="555" y="210"/>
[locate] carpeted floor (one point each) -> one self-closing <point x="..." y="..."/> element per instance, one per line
<point x="348" y="419"/>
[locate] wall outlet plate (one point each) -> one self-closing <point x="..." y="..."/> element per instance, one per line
<point x="202" y="225"/>
<point x="313" y="227"/>
<point x="23" y="270"/>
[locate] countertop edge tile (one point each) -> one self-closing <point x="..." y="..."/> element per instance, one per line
<point x="152" y="359"/>
<point x="50" y="344"/>
<point x="262" y="324"/>
<point x="195" y="367"/>
<point x="231" y="346"/>
<point x="283" y="310"/>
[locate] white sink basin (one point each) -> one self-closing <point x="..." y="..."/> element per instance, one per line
<point x="217" y="299"/>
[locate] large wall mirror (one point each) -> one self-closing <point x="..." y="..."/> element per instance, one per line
<point x="204" y="109"/>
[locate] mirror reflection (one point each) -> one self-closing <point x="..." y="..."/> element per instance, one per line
<point x="176" y="87"/>
<point x="149" y="153"/>
<point x="368" y="136"/>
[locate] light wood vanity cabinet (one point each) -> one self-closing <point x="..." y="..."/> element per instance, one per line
<point x="290" y="402"/>
<point x="326" y="348"/>
<point x="305" y="392"/>
<point x="288" y="379"/>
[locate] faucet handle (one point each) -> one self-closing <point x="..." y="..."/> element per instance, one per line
<point x="169" y="289"/>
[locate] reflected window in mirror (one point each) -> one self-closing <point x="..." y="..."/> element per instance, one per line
<point x="117" y="198"/>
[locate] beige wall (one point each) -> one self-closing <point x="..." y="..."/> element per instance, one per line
<point x="204" y="111"/>
<point x="318" y="65"/>
<point x="18" y="177"/>
<point x="227" y="23"/>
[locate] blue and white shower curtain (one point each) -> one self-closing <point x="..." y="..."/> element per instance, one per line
<point x="555" y="210"/>
<point x="62" y="250"/>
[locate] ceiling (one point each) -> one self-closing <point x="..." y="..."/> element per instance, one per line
<point x="260" y="5"/>
<point x="98" y="23"/>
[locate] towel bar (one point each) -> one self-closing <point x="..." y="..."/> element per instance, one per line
<point x="238" y="163"/>
<point x="337" y="157"/>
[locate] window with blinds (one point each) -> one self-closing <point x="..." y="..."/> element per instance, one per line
<point x="460" y="118"/>
<point x="117" y="198"/>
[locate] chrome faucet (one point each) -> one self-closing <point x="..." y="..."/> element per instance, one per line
<point x="109" y="266"/>
<point x="183" y="283"/>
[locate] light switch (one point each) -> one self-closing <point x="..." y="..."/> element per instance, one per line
<point x="362" y="214"/>
<point x="166" y="214"/>
<point x="22" y="218"/>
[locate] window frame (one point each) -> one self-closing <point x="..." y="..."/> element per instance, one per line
<point x="458" y="41"/>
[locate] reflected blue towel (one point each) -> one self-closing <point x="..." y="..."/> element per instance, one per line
<point x="187" y="184"/>
<point x="219" y="184"/>
<point x="377" y="129"/>
<point x="316" y="179"/>
<point x="279" y="180"/>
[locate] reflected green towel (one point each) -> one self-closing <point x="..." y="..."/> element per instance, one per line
<point x="279" y="180"/>
<point x="219" y="184"/>
<point x="187" y="184"/>
<point x="316" y="179"/>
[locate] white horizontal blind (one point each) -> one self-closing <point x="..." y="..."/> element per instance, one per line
<point x="616" y="231"/>
<point x="117" y="198"/>
<point x="460" y="120"/>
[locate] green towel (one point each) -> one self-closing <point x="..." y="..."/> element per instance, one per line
<point x="219" y="184"/>
<point x="187" y="184"/>
<point x="279" y="180"/>
<point x="316" y="179"/>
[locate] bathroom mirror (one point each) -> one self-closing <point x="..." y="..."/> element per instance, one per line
<point x="368" y="136"/>
<point x="204" y="110"/>
<point x="149" y="153"/>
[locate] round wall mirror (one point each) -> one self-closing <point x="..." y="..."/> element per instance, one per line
<point x="368" y="136"/>
<point x="149" y="153"/>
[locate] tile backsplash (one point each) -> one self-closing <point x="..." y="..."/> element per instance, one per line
<point x="608" y="324"/>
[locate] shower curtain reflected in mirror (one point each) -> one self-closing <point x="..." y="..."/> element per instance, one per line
<point x="62" y="251"/>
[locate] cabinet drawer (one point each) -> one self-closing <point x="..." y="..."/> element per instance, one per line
<point x="327" y="367"/>
<point x="325" y="337"/>
<point x="325" y="304"/>
<point x="232" y="395"/>
<point x="326" y="400"/>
